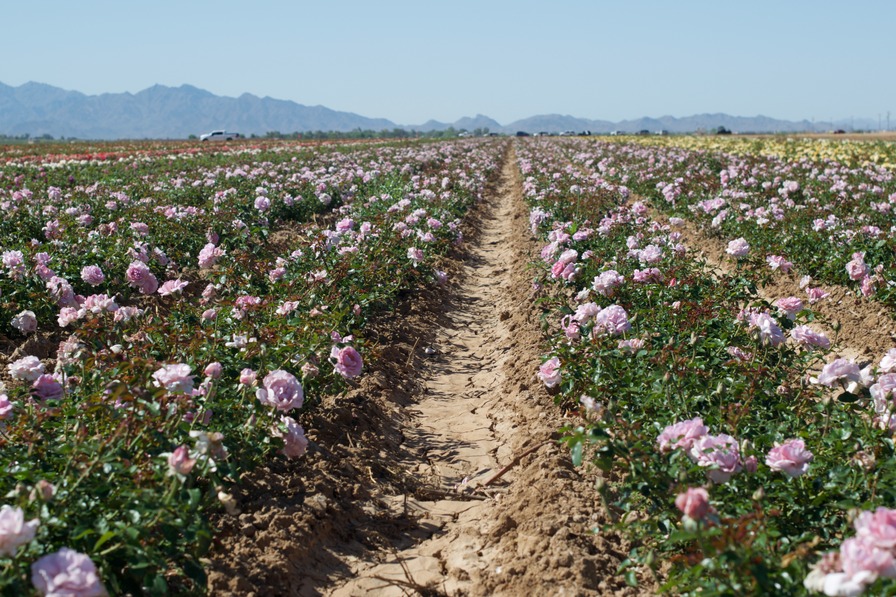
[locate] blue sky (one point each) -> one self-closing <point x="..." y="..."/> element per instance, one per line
<point x="412" y="60"/>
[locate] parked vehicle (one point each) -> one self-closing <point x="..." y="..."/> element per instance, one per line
<point x="219" y="136"/>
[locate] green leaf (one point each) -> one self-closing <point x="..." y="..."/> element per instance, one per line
<point x="576" y="454"/>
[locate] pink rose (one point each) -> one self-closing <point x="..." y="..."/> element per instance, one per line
<point x="25" y="322"/>
<point x="720" y="453"/>
<point x="248" y="377"/>
<point x="180" y="463"/>
<point x="47" y="387"/>
<point x="791" y="458"/>
<point x="14" y="531"/>
<point x="738" y="248"/>
<point x="139" y="277"/>
<point x="694" y="503"/>
<point x="66" y="573"/>
<point x="26" y="369"/>
<point x="281" y="390"/>
<point x="213" y="370"/>
<point x="549" y="372"/>
<point x="790" y="306"/>
<point x="172" y="287"/>
<point x="346" y="361"/>
<point x="93" y="275"/>
<point x="613" y="320"/>
<point x="878" y="528"/>
<point x="294" y="441"/>
<point x="175" y="379"/>
<point x="681" y="435"/>
<point x="857" y="268"/>
<point x="806" y="336"/>
<point x="839" y="371"/>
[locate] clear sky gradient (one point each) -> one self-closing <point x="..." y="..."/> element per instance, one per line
<point x="411" y="60"/>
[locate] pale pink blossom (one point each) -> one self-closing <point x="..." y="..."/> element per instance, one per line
<point x="93" y="275"/>
<point x="549" y="372"/>
<point x="586" y="312"/>
<point x="66" y="573"/>
<point x="26" y="369"/>
<point x="790" y="306"/>
<point x="767" y="329"/>
<point x="25" y="322"/>
<point x="778" y="262"/>
<point x="816" y="294"/>
<point x="180" y="463"/>
<point x="14" y="531"/>
<point x="281" y="390"/>
<point x="346" y="361"/>
<point x="175" y="379"/>
<point x="806" y="336"/>
<point x="293" y="435"/>
<point x="738" y="247"/>
<point x="888" y="362"/>
<point x="172" y="287"/>
<point x="213" y="370"/>
<point x="857" y="268"/>
<point x="209" y="314"/>
<point x="878" y="527"/>
<point x="720" y="453"/>
<point x="791" y="458"/>
<point x="607" y="282"/>
<point x="209" y="255"/>
<point x="47" y="387"/>
<point x="415" y="255"/>
<point x="612" y="320"/>
<point x="694" y="503"/>
<point x="6" y="407"/>
<point x="248" y="377"/>
<point x="681" y="435"/>
<point x="140" y="277"/>
<point x="840" y="371"/>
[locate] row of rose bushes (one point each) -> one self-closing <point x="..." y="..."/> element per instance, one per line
<point x="735" y="456"/>
<point x="202" y="305"/>
<point x="831" y="221"/>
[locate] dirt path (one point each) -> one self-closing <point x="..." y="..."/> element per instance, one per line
<point x="402" y="496"/>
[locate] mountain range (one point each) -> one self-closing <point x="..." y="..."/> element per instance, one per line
<point x="161" y="112"/>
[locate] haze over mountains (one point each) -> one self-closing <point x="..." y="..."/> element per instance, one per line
<point x="161" y="112"/>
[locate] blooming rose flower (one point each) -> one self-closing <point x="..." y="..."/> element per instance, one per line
<point x="25" y="322"/>
<point x="139" y="277"/>
<point x="66" y="573"/>
<point x="346" y="361"/>
<point x="14" y="531"/>
<point x="294" y="441"/>
<point x="26" y="369"/>
<point x="857" y="268"/>
<point x="175" y="379"/>
<point x="613" y="320"/>
<point x="888" y="362"/>
<point x="694" y="503"/>
<point x="839" y="371"/>
<point x="790" y="306"/>
<point x="863" y="561"/>
<point x="549" y="372"/>
<point x="415" y="255"/>
<point x="607" y="282"/>
<point x="93" y="275"/>
<point x="791" y="458"/>
<point x="778" y="262"/>
<point x="816" y="294"/>
<point x="209" y="255"/>
<point x="878" y="527"/>
<point x="248" y="377"/>
<point x="213" y="370"/>
<point x="281" y="390"/>
<point x="172" y="287"/>
<point x="738" y="247"/>
<point x="47" y="387"/>
<point x="681" y="435"/>
<point x="585" y="312"/>
<point x="767" y="329"/>
<point x="806" y="336"/>
<point x="180" y="463"/>
<point x="720" y="453"/>
<point x="6" y="407"/>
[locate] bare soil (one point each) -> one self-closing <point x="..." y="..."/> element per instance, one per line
<point x="440" y="473"/>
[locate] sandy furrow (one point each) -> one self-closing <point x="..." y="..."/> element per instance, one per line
<point x="530" y="530"/>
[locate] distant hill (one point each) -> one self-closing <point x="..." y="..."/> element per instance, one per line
<point x="161" y="112"/>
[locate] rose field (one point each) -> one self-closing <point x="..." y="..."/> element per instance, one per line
<point x="554" y="365"/>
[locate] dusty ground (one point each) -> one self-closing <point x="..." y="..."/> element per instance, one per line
<point x="439" y="474"/>
<point x="866" y="328"/>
